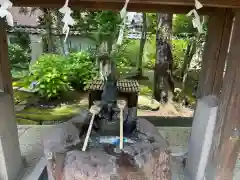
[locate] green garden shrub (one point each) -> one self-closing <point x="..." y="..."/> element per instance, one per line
<point x="49" y="76"/>
<point x="19" y="74"/>
<point x="145" y="90"/>
<point x="178" y="50"/>
<point x="19" y="58"/>
<point x="149" y="56"/>
<point x="179" y="47"/>
<point x="81" y="68"/>
<point x="128" y="53"/>
<point x="54" y="75"/>
<point x="182" y="26"/>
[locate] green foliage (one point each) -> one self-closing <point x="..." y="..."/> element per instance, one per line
<point x="22" y="39"/>
<point x="54" y="75"/>
<point x="151" y="63"/>
<point x="108" y="21"/>
<point x="128" y="53"/>
<point x="149" y="57"/>
<point x="122" y="62"/>
<point x="81" y="69"/>
<point x="19" y="74"/>
<point x="50" y="74"/>
<point x="178" y="49"/>
<point x="145" y="90"/>
<point x="21" y="121"/>
<point x="59" y="113"/>
<point x="182" y="26"/>
<point x="103" y="24"/>
<point x="19" y="58"/>
<point x="151" y="22"/>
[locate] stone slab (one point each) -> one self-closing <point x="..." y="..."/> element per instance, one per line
<point x="31" y="147"/>
<point x="201" y="137"/>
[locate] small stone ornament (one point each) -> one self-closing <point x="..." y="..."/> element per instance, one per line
<point x="5" y="5"/>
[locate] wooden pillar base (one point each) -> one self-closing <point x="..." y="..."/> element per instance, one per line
<point x="5" y="71"/>
<point x="10" y="155"/>
<point x="226" y="146"/>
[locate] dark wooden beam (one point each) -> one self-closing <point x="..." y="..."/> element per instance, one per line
<point x="171" y="6"/>
<point x="226" y="144"/>
<point x="5" y="73"/>
<point x="207" y="3"/>
<point x="215" y="53"/>
<point x="144" y="7"/>
<point x="223" y="54"/>
<point x="117" y="6"/>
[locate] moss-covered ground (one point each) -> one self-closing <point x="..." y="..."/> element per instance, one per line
<point x="36" y="112"/>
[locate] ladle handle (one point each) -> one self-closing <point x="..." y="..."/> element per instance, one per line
<point x="88" y="133"/>
<point x="121" y="129"/>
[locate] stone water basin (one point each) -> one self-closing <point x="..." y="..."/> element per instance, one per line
<point x="145" y="155"/>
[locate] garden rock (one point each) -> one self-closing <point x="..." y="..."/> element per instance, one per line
<point x="79" y="118"/>
<point x="60" y="138"/>
<point x="148" y="158"/>
<point x="146" y="103"/>
<point x="26" y="90"/>
<point x="19" y="107"/>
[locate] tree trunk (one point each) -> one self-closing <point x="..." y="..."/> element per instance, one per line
<point x="142" y="44"/>
<point x="48" y="24"/>
<point x="186" y="59"/>
<point x="191" y="49"/>
<point x="163" y="65"/>
<point x="98" y="46"/>
<point x="59" y="31"/>
<point x="109" y="45"/>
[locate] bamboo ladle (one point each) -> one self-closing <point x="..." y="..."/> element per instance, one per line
<point x="94" y="110"/>
<point x="121" y="105"/>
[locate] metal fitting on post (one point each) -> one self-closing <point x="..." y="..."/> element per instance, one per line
<point x="235" y="134"/>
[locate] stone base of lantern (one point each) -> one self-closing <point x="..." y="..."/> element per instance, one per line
<point x="147" y="158"/>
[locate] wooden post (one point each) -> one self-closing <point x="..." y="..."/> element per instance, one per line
<point x="215" y="53"/>
<point x="226" y="145"/>
<point x="10" y="155"/>
<point x="5" y="73"/>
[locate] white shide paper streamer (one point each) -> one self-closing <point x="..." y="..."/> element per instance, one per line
<point x="123" y="14"/>
<point x="198" y="5"/>
<point x="196" y="18"/>
<point x="67" y="19"/>
<point x="5" y="5"/>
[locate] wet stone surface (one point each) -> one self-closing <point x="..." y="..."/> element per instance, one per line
<point x="147" y="158"/>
